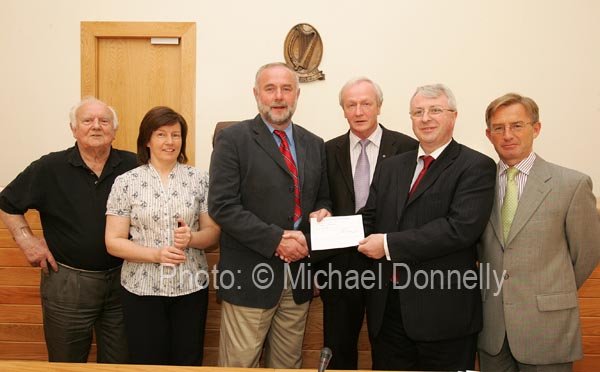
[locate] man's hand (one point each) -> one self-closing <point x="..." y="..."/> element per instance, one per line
<point x="372" y="246"/>
<point x="320" y="214"/>
<point x="292" y="247"/>
<point x="37" y="253"/>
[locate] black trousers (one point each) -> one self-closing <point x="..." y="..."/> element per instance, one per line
<point x="393" y="349"/>
<point x="75" y="303"/>
<point x="165" y="330"/>
<point x="344" y="300"/>
<point x="342" y="322"/>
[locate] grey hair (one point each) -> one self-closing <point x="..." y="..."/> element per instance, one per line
<point x="361" y="79"/>
<point x="271" y="65"/>
<point x="73" y="112"/>
<point x="435" y="91"/>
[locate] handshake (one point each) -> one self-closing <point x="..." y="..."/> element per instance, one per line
<point x="293" y="245"/>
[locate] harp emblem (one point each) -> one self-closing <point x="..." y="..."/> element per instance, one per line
<point x="303" y="50"/>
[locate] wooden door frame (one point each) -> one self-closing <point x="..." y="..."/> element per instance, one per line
<point x="91" y="32"/>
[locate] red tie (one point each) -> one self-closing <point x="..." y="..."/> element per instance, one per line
<point x="427" y="160"/>
<point x="284" y="147"/>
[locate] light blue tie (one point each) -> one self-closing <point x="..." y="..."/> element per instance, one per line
<point x="362" y="177"/>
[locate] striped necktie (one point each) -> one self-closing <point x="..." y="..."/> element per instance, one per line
<point x="284" y="147"/>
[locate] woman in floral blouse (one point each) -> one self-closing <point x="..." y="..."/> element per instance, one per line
<point x="157" y="221"/>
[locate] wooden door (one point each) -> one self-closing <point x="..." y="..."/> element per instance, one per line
<point x="120" y="66"/>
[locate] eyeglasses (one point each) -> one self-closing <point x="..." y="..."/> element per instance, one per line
<point x="517" y="127"/>
<point x="432" y="111"/>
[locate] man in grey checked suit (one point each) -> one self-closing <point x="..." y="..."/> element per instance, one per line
<point x="551" y="246"/>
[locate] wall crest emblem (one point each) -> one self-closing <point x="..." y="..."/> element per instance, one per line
<point x="303" y="50"/>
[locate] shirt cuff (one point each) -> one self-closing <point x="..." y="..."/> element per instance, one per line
<point x="385" y="248"/>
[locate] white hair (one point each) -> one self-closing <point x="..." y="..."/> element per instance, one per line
<point x="73" y="112"/>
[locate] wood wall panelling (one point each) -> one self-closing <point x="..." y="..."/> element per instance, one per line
<point x="22" y="337"/>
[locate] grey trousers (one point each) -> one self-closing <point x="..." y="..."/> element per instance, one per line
<point x="505" y="362"/>
<point x="76" y="302"/>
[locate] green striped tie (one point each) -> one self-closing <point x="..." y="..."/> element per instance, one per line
<point x="511" y="200"/>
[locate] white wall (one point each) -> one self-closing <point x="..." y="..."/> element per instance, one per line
<point x="548" y="50"/>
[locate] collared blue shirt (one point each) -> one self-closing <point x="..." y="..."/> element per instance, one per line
<point x="289" y="132"/>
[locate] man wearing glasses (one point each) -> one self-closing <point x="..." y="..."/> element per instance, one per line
<point x="426" y="211"/>
<point x="544" y="235"/>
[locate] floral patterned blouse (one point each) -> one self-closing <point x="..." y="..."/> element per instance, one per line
<point x="153" y="211"/>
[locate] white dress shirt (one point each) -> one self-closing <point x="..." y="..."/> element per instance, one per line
<point x="524" y="167"/>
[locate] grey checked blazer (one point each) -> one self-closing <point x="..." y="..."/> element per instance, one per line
<point x="552" y="247"/>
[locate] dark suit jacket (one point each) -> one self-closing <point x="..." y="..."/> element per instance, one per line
<point x="341" y="190"/>
<point x="437" y="228"/>
<point x="252" y="198"/>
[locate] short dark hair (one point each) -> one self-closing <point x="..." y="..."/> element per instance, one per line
<point x="155" y="118"/>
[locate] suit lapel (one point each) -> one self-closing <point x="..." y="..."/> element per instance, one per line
<point x="265" y="140"/>
<point x="388" y="146"/>
<point x="496" y="218"/>
<point x="408" y="164"/>
<point x="536" y="190"/>
<point x="342" y="156"/>
<point x="443" y="161"/>
<point x="299" y="144"/>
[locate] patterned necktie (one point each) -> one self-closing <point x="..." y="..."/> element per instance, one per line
<point x="427" y="160"/>
<point x="362" y="177"/>
<point x="511" y="200"/>
<point x="284" y="147"/>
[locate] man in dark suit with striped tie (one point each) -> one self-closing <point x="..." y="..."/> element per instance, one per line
<point x="268" y="177"/>
<point x="426" y="211"/>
